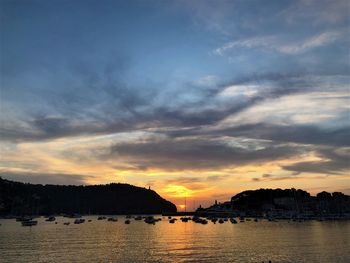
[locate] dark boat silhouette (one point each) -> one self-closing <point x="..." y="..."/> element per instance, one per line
<point x="29" y="223"/>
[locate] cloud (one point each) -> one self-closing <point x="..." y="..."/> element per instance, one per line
<point x="317" y="12"/>
<point x="246" y="43"/>
<point x="213" y="105"/>
<point x="282" y="44"/>
<point x="333" y="161"/>
<point x="322" y="39"/>
<point x="301" y="134"/>
<point x="46" y="178"/>
<point x="196" y="154"/>
<point x="190" y="180"/>
<point x="285" y="177"/>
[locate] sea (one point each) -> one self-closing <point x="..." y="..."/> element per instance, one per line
<point x="105" y="241"/>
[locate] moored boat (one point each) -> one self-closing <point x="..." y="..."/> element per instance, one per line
<point x="150" y="220"/>
<point x="50" y="219"/>
<point x="233" y="221"/>
<point x="79" y="221"/>
<point x="185" y="219"/>
<point x="29" y="223"/>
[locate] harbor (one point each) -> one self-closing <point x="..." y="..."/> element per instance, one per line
<point x="159" y="240"/>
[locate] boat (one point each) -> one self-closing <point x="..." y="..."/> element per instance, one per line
<point x="172" y="221"/>
<point x="233" y="221"/>
<point x="196" y="219"/>
<point x="221" y="221"/>
<point x="50" y="219"/>
<point x="127" y="222"/>
<point x="185" y="219"/>
<point x="79" y="221"/>
<point x="138" y="218"/>
<point x="112" y="219"/>
<point x="150" y="220"/>
<point x="199" y="220"/>
<point x="214" y="220"/>
<point x="29" y="223"/>
<point x="66" y="223"/>
<point x="101" y="218"/>
<point x="204" y="221"/>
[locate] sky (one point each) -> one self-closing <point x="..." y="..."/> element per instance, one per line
<point x="195" y="99"/>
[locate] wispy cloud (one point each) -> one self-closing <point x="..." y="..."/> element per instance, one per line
<point x="322" y="39"/>
<point x="281" y="43"/>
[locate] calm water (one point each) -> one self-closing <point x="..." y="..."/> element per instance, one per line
<point x="102" y="241"/>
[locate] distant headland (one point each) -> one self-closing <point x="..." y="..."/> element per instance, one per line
<point x="35" y="199"/>
<point x="283" y="204"/>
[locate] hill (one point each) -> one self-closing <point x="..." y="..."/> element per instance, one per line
<point x="284" y="203"/>
<point x="23" y="198"/>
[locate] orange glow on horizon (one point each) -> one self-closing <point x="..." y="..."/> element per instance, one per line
<point x="183" y="207"/>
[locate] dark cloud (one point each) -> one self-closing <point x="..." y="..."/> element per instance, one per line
<point x="301" y="134"/>
<point x="304" y="134"/>
<point x="46" y="178"/>
<point x="291" y="176"/>
<point x="191" y="180"/>
<point x="334" y="161"/>
<point x="196" y="154"/>
<point x="122" y="107"/>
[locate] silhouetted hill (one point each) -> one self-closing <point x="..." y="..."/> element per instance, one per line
<point x="284" y="203"/>
<point x="22" y="198"/>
